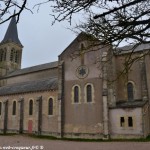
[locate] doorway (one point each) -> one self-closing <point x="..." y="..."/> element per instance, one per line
<point x="30" y="125"/>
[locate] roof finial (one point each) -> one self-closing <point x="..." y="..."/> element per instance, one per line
<point x="15" y="10"/>
<point x="15" y="3"/>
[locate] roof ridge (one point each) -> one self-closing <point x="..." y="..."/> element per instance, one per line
<point x="29" y="82"/>
<point x="33" y="69"/>
<point x="31" y="86"/>
<point x="40" y="65"/>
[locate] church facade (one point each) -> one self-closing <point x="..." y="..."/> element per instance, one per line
<point x="87" y="93"/>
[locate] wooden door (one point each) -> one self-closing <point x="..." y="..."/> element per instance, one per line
<point x="30" y="125"/>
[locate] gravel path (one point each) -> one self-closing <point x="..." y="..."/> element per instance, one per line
<point x="21" y="142"/>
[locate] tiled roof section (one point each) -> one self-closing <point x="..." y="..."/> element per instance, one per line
<point x="32" y="86"/>
<point x="34" y="69"/>
<point x="131" y="104"/>
<point x="130" y="48"/>
<point x="12" y="33"/>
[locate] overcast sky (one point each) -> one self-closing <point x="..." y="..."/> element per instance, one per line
<point x="42" y="42"/>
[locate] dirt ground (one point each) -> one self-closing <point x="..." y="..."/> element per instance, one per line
<point x="21" y="142"/>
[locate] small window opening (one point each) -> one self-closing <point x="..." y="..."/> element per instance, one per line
<point x="130" y="121"/>
<point x="122" y="121"/>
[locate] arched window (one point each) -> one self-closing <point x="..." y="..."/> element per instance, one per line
<point x="50" y="106"/>
<point x="16" y="56"/>
<point x="76" y="94"/>
<point x="1" y="55"/>
<point x="89" y="93"/>
<point x="5" y="51"/>
<point x="130" y="91"/>
<point x="5" y="56"/>
<point x="12" y="54"/>
<point x="14" y="108"/>
<point x="31" y="107"/>
<point x="82" y="47"/>
<point x="0" y="108"/>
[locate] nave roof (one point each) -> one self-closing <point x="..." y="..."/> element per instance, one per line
<point x="30" y="86"/>
<point x="34" y="69"/>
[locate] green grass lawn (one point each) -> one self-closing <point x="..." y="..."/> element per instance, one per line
<point x="80" y="139"/>
<point x="91" y="140"/>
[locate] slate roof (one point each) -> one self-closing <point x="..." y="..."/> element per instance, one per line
<point x="30" y="86"/>
<point x="128" y="48"/>
<point x="131" y="104"/>
<point x="34" y="69"/>
<point x="12" y="33"/>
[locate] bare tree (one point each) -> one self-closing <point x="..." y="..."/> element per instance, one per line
<point x="113" y="22"/>
<point x="11" y="8"/>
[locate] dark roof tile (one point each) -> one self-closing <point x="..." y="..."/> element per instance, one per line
<point x="30" y="86"/>
<point x="12" y="33"/>
<point x="132" y="48"/>
<point x="130" y="104"/>
<point x="34" y="69"/>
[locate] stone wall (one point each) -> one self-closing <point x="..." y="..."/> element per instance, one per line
<point x="49" y="122"/>
<point x="125" y="131"/>
<point x="83" y="119"/>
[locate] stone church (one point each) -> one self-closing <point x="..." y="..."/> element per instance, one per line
<point x="85" y="94"/>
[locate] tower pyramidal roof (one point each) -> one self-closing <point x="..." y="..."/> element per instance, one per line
<point x="12" y="33"/>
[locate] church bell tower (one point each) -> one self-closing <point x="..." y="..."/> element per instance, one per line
<point x="10" y="50"/>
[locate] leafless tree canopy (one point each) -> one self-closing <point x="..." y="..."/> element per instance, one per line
<point x="9" y="6"/>
<point x="111" y="21"/>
